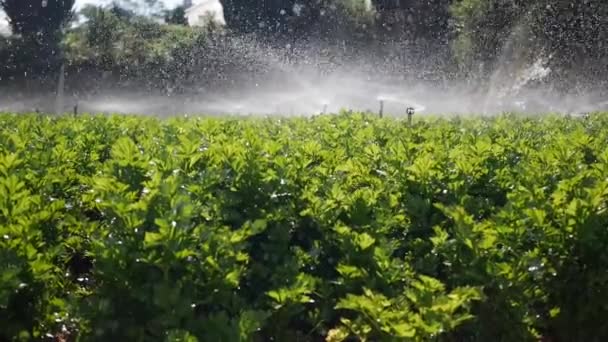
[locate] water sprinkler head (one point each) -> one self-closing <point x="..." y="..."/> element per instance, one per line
<point x="410" y="113"/>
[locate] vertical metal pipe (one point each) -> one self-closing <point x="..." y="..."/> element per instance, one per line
<point x="410" y="113"/>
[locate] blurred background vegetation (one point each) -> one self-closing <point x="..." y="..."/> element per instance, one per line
<point x="144" y="41"/>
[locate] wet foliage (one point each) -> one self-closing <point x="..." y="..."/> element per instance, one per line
<point x="325" y="228"/>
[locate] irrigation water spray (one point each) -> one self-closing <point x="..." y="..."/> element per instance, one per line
<point x="306" y="83"/>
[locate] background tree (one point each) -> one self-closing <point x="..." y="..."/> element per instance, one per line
<point x="121" y="12"/>
<point x="248" y="16"/>
<point x="102" y="31"/>
<point x="575" y="34"/>
<point x="571" y="35"/>
<point x="296" y="19"/>
<point x="149" y="8"/>
<point x="483" y="27"/>
<point x="414" y="19"/>
<point x="176" y="16"/>
<point x="37" y="17"/>
<point x="38" y="24"/>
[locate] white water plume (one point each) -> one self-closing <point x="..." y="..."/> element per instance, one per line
<point x="59" y="101"/>
<point x="294" y="81"/>
<point x="520" y="63"/>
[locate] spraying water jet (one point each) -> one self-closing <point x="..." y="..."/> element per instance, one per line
<point x="60" y="90"/>
<point x="283" y="87"/>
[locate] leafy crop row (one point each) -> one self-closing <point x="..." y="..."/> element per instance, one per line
<point x="304" y="229"/>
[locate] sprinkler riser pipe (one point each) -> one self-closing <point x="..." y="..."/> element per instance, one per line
<point x="410" y="113"/>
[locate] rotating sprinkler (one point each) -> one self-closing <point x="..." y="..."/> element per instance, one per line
<point x="411" y="107"/>
<point x="410" y="113"/>
<point x="75" y="107"/>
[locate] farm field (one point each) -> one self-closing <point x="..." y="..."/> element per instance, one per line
<point x="330" y="228"/>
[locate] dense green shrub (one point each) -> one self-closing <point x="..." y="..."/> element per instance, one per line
<point x="229" y="229"/>
<point x="109" y="41"/>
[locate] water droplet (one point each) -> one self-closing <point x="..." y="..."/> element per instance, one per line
<point x="533" y="268"/>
